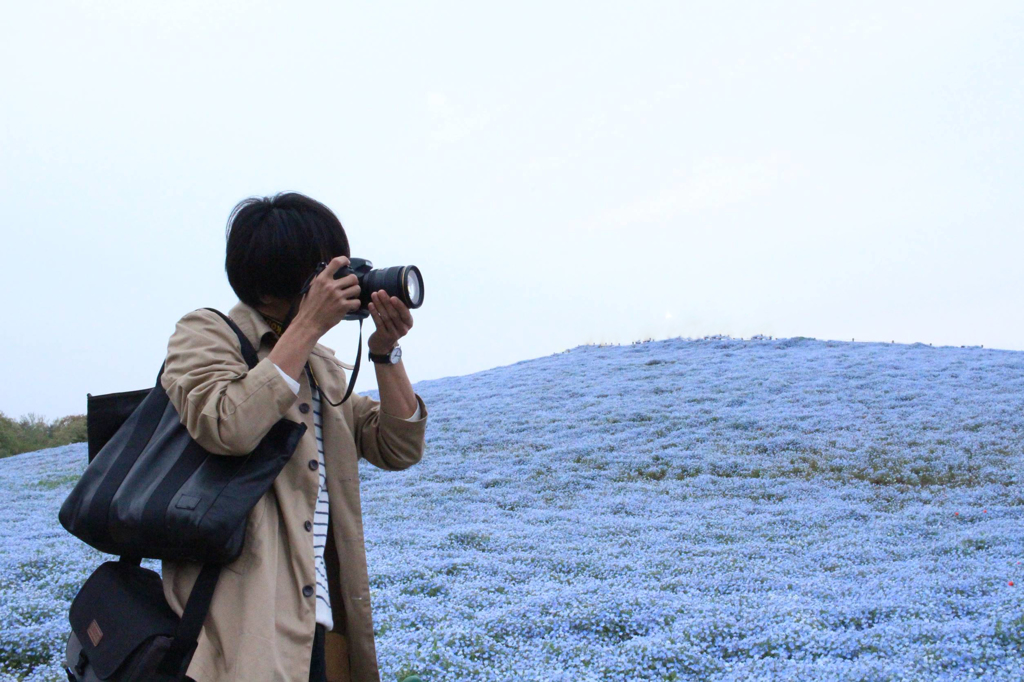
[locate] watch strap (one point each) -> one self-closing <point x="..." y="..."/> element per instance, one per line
<point x="384" y="358"/>
<point x="378" y="357"/>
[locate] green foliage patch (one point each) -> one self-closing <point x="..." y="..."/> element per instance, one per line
<point x="32" y="432"/>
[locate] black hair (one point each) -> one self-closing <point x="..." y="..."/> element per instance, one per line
<point x="275" y="243"/>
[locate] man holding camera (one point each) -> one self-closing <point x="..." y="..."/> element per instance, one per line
<point x="296" y="603"/>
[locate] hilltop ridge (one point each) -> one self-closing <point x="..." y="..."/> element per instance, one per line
<point x="839" y="408"/>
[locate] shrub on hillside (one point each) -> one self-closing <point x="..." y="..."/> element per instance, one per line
<point x="32" y="432"/>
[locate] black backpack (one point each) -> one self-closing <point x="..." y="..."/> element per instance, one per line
<point x="150" y="491"/>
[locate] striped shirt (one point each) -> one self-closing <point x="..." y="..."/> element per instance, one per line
<point x="323" y="597"/>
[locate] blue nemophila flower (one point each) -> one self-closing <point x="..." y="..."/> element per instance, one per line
<point x="680" y="510"/>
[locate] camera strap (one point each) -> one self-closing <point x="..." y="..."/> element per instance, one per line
<point x="355" y="370"/>
<point x="359" y="352"/>
<point x="355" y="373"/>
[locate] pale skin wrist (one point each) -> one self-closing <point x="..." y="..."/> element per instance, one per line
<point x="393" y="321"/>
<point x="396" y="395"/>
<point x="291" y="351"/>
<point x="375" y="345"/>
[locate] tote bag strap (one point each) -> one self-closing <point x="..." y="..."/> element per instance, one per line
<point x="186" y="636"/>
<point x="248" y="352"/>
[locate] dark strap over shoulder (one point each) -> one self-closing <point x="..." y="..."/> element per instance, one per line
<point x="248" y="352"/>
<point x="187" y="635"/>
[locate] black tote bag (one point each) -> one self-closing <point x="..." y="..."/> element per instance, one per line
<point x="152" y="492"/>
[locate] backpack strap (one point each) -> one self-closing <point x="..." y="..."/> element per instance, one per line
<point x="186" y="636"/>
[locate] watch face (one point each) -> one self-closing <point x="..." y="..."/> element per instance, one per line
<point x="396" y="355"/>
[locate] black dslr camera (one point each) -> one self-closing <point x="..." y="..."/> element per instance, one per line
<point x="403" y="281"/>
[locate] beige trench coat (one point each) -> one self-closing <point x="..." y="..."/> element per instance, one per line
<point x="260" y="626"/>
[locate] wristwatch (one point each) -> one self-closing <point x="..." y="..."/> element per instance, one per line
<point x="391" y="358"/>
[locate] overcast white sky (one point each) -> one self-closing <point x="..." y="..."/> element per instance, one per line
<point x="562" y="172"/>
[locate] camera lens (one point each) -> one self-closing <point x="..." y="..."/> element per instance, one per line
<point x="403" y="281"/>
<point x="413" y="287"/>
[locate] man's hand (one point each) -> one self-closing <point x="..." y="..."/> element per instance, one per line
<point x="326" y="303"/>
<point x="329" y="300"/>
<point x="392" y="319"/>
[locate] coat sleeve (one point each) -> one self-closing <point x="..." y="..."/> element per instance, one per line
<point x="384" y="440"/>
<point x="226" y="407"/>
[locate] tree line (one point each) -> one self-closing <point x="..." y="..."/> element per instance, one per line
<point x="32" y="432"/>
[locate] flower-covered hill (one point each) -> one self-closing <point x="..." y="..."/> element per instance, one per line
<point x="680" y="510"/>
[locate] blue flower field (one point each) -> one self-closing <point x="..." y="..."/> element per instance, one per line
<point x="712" y="509"/>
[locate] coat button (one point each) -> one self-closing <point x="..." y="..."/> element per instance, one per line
<point x="308" y="525"/>
<point x="304" y="408"/>
<point x="307" y="591"/>
<point x="313" y="464"/>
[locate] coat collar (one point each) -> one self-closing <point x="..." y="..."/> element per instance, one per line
<point x="252" y="324"/>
